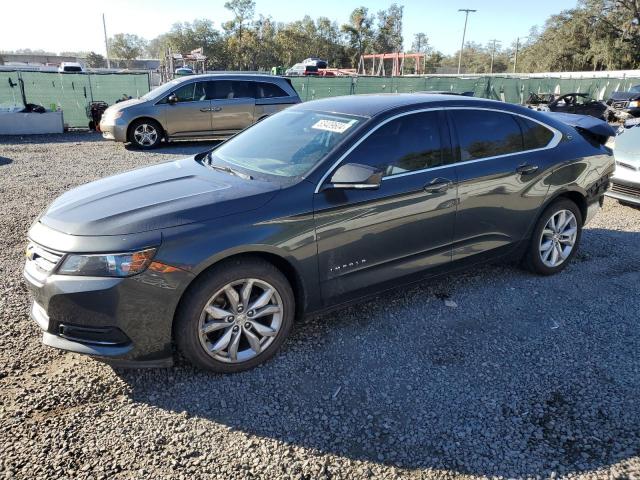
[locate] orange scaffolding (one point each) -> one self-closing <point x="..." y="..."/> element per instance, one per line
<point x="397" y="67"/>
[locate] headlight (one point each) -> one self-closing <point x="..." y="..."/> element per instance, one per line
<point x="634" y="103"/>
<point x="112" y="116"/>
<point x="107" y="265"/>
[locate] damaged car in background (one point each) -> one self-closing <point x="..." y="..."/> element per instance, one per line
<point x="625" y="183"/>
<point x="576" y="103"/>
<point x="625" y="104"/>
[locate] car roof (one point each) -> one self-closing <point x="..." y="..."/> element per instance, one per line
<point x="370" y="105"/>
<point x="232" y="76"/>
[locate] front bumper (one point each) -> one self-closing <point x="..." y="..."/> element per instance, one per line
<point x="114" y="130"/>
<point x="625" y="191"/>
<point x="120" y="320"/>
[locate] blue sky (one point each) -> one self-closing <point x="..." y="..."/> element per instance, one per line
<point x="50" y="21"/>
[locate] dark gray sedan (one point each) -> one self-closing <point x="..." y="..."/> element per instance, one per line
<point x="319" y="205"/>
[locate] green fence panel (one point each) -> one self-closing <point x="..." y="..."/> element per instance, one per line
<point x="301" y="85"/>
<point x="72" y="92"/>
<point x="69" y="91"/>
<point x="111" y="87"/>
<point x="9" y="90"/>
<point x="318" y="87"/>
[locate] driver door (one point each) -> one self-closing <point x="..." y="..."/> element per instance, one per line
<point x="191" y="114"/>
<point x="367" y="237"/>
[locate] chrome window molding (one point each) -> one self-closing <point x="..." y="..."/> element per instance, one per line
<point x="555" y="140"/>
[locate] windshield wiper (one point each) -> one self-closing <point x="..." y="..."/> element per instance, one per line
<point x="224" y="168"/>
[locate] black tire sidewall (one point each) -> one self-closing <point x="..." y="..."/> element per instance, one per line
<point x="188" y="315"/>
<point x="533" y="260"/>
<point x="135" y="125"/>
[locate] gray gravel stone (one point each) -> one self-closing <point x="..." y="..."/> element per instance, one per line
<point x="528" y="377"/>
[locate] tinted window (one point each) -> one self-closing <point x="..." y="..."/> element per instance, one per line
<point x="269" y="90"/>
<point x="483" y="133"/>
<point x="408" y="143"/>
<point x="189" y="92"/>
<point x="535" y="135"/>
<point x="228" y="89"/>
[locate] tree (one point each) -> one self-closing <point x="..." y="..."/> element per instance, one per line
<point x="95" y="60"/>
<point x="359" y="33"/>
<point x="388" y="37"/>
<point x="126" y="46"/>
<point x="420" y="43"/>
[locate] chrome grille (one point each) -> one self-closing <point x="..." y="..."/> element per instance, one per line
<point x="45" y="259"/>
<point x="625" y="189"/>
<point x="620" y="104"/>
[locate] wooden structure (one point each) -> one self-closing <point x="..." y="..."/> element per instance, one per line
<point x="397" y="63"/>
<point x="195" y="59"/>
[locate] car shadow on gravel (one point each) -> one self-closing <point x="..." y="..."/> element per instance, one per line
<point x="516" y="375"/>
<point x="5" y="161"/>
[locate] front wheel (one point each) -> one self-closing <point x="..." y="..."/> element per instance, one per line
<point x="236" y="316"/>
<point x="555" y="238"/>
<point x="145" y="134"/>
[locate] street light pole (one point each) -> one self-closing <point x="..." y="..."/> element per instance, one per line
<point x="106" y="43"/>
<point x="493" y="52"/>
<point x="464" y="32"/>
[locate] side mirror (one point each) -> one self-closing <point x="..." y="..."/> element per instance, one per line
<point x="355" y="176"/>
<point x="171" y="99"/>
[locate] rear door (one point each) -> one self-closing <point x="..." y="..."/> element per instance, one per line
<point x="367" y="237"/>
<point x="191" y="115"/>
<point x="501" y="159"/>
<point x="232" y="105"/>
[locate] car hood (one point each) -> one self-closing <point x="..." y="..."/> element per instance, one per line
<point x="151" y="198"/>
<point x="627" y="146"/>
<point x="624" y="96"/>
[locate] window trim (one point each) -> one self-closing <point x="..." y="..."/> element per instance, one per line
<point x="557" y="137"/>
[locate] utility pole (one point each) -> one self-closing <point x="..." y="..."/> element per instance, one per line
<point x="106" y="43"/>
<point x="515" y="59"/>
<point x="493" y="53"/>
<point x="464" y="32"/>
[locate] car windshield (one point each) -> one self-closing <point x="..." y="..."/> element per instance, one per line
<point x="635" y="89"/>
<point x="287" y="144"/>
<point x="161" y="90"/>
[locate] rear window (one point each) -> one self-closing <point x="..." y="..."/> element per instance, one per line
<point x="483" y="133"/>
<point x="269" y="90"/>
<point x="535" y="134"/>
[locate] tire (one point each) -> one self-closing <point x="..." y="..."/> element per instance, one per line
<point x="539" y="260"/>
<point x="270" y="329"/>
<point x="145" y="134"/>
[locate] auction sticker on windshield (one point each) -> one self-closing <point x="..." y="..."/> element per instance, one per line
<point x="335" y="126"/>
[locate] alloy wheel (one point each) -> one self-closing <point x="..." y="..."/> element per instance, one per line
<point x="240" y="320"/>
<point x="558" y="238"/>
<point x="145" y="134"/>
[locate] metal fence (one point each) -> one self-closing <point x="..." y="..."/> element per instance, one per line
<point x="71" y="92"/>
<point x="506" y="88"/>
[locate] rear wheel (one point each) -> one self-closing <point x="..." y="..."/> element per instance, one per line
<point x="555" y="238"/>
<point x="145" y="134"/>
<point x="236" y="316"/>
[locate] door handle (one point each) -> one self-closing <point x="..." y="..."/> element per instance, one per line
<point x="526" y="169"/>
<point x="216" y="109"/>
<point x="205" y="109"/>
<point x="438" y="185"/>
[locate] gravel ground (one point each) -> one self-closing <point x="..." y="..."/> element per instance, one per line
<point x="494" y="372"/>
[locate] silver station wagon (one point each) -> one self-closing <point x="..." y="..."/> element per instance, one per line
<point x="200" y="106"/>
